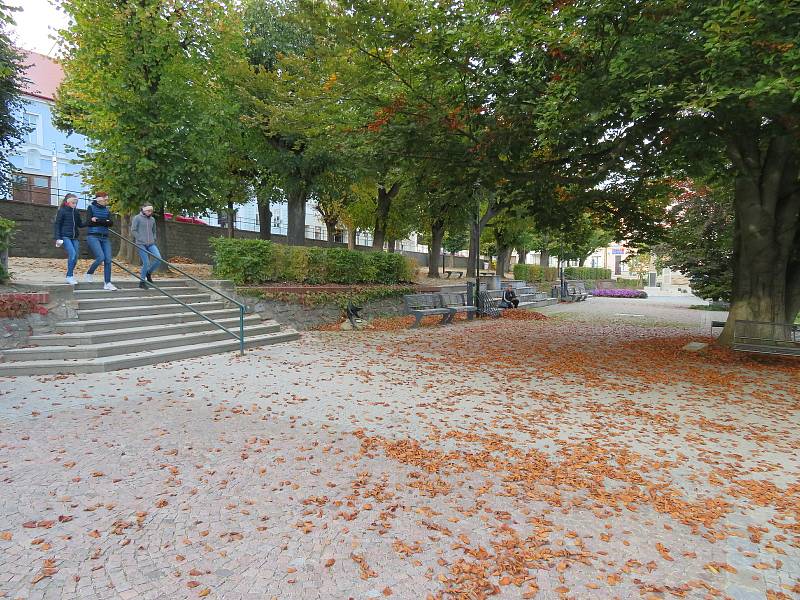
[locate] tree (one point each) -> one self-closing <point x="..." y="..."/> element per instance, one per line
<point x="12" y="129"/>
<point x="455" y="240"/>
<point x="699" y="239"/>
<point x="689" y="89"/>
<point x="143" y="81"/>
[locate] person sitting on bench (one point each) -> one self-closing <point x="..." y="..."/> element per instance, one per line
<point x="509" y="299"/>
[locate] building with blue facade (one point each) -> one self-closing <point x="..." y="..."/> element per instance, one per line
<point x="46" y="163"/>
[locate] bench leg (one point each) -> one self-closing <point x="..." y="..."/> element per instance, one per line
<point x="446" y="319"/>
<point x="417" y="321"/>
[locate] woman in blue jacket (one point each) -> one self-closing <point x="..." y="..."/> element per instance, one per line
<point x="98" y="219"/>
<point x="65" y="231"/>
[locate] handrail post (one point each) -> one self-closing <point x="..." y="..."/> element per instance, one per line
<point x="241" y="330"/>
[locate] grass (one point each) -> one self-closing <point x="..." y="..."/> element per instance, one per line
<point x="716" y="306"/>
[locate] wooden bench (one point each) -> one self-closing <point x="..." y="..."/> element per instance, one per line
<point x="456" y="303"/>
<point x="763" y="337"/>
<point x="459" y="273"/>
<point x="426" y="305"/>
<point x="488" y="274"/>
<point x="527" y="296"/>
<point x="576" y="291"/>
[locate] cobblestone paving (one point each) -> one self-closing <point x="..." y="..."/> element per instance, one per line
<point x="548" y="459"/>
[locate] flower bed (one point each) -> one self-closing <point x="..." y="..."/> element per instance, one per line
<point x="16" y="306"/>
<point x="620" y="293"/>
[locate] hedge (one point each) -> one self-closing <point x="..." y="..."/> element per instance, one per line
<point x="259" y="261"/>
<point x="535" y="273"/>
<point x="586" y="273"/>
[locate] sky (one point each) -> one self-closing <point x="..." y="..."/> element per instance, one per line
<point x="35" y="23"/>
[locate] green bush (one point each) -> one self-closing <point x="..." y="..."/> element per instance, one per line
<point x="7" y="228"/>
<point x="535" y="273"/>
<point x="260" y="261"/>
<point x="586" y="273"/>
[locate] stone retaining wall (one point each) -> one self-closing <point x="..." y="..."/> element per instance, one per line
<point x="57" y="299"/>
<point x="301" y="317"/>
<point x="34" y="236"/>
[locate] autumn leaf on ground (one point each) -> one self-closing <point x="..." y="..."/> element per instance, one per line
<point x="663" y="551"/>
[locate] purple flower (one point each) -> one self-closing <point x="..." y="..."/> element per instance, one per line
<point x="620" y="293"/>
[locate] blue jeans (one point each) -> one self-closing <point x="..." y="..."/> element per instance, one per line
<point x="101" y="248"/>
<point x="73" y="249"/>
<point x="147" y="266"/>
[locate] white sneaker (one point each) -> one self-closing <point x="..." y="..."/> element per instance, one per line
<point x="72" y="281"/>
<point x="110" y="287"/>
<point x="88" y="278"/>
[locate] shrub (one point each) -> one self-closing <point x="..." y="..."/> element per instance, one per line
<point x="7" y="228"/>
<point x="260" y="261"/>
<point x="535" y="273"/>
<point x="586" y="273"/>
<point x="17" y="306"/>
<point x="620" y="293"/>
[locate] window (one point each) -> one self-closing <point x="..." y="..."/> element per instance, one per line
<point x="317" y="232"/>
<point x="31" y="188"/>
<point x="33" y="123"/>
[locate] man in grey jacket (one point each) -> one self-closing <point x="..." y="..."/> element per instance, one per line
<point x="143" y="232"/>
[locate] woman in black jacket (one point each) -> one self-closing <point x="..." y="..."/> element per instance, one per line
<point x="98" y="220"/>
<point x="65" y="231"/>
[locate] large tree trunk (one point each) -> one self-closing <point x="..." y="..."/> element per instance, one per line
<point x="127" y="252"/>
<point x="501" y="267"/>
<point x="231" y="220"/>
<point x="544" y="258"/>
<point x="330" y="229"/>
<point x="385" y="198"/>
<point x="351" y="238"/>
<point x="522" y="253"/>
<point x="264" y="221"/>
<point x="162" y="240"/>
<point x="435" y="248"/>
<point x="296" y="208"/>
<point x="766" y="247"/>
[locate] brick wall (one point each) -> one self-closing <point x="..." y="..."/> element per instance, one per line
<point x="34" y="235"/>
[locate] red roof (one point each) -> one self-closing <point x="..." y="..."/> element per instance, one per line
<point x="44" y="75"/>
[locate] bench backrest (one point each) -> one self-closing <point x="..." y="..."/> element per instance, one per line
<point x="421" y="301"/>
<point x="452" y="299"/>
<point x="765" y="333"/>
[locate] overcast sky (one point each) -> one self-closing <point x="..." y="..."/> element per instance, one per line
<point x="36" y="23"/>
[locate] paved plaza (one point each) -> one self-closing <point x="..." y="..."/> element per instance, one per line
<point x="585" y="456"/>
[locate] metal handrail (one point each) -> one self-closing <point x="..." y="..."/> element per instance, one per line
<point x="241" y="306"/>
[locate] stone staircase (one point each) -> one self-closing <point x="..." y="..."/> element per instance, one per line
<point x="131" y="327"/>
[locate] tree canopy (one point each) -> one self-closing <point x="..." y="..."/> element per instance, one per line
<point x="12" y="127"/>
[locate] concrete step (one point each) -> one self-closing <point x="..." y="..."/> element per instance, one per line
<point x="126" y="284"/>
<point x="133" y="333"/>
<point x="114" y="302"/>
<point x="138" y="321"/>
<point x="145" y="311"/>
<point x="139" y="359"/>
<point x="133" y="292"/>
<point x="117" y="347"/>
